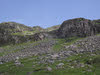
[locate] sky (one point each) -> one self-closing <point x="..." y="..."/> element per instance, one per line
<point x="46" y="13"/>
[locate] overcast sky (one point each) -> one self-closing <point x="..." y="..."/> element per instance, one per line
<point x="46" y="13"/>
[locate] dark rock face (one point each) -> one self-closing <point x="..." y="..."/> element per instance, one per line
<point x="97" y="25"/>
<point x="14" y="39"/>
<point x="77" y="27"/>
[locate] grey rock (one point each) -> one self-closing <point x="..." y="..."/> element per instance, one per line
<point x="60" y="65"/>
<point x="54" y="56"/>
<point x="1" y="62"/>
<point x="80" y="65"/>
<point x="17" y="62"/>
<point x="48" y="68"/>
<point x="77" y="27"/>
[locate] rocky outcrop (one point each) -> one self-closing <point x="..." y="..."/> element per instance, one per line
<point x="97" y="25"/>
<point x="41" y="36"/>
<point x="8" y="28"/>
<point x="38" y="28"/>
<point x="74" y="27"/>
<point x="13" y="27"/>
<point x="14" y="39"/>
<point x="77" y="27"/>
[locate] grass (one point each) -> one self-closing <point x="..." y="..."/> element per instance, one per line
<point x="14" y="48"/>
<point x="39" y="69"/>
<point x="87" y="58"/>
<point x="64" y="42"/>
<point x="58" y="46"/>
<point x="97" y="34"/>
<point x="31" y="65"/>
<point x="17" y="47"/>
<point x="24" y="33"/>
<point x="72" y="40"/>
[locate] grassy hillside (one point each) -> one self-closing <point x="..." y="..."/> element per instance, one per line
<point x="45" y="53"/>
<point x="32" y="67"/>
<point x="43" y="64"/>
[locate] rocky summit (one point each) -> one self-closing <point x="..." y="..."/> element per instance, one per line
<point x="78" y="27"/>
<point x="72" y="48"/>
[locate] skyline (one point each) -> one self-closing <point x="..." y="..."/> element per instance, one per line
<point x="46" y="13"/>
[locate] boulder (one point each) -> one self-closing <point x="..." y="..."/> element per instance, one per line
<point x="48" y="68"/>
<point x="60" y="65"/>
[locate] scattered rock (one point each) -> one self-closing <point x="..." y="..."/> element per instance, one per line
<point x="29" y="73"/>
<point x="60" y="65"/>
<point x="72" y="66"/>
<point x="55" y="56"/>
<point x="1" y="62"/>
<point x="17" y="62"/>
<point x="48" y="68"/>
<point x="80" y="65"/>
<point x="89" y="70"/>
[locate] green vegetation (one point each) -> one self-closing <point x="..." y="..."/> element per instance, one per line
<point x="97" y="34"/>
<point x="97" y="23"/>
<point x="14" y="27"/>
<point x="52" y="28"/>
<point x="17" y="47"/>
<point x="24" y="33"/>
<point x="30" y="65"/>
<point x="63" y="42"/>
<point x="79" y="64"/>
<point x="58" y="46"/>
<point x="72" y="40"/>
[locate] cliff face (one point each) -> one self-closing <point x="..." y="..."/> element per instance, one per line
<point x="78" y="27"/>
<point x="97" y="25"/>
